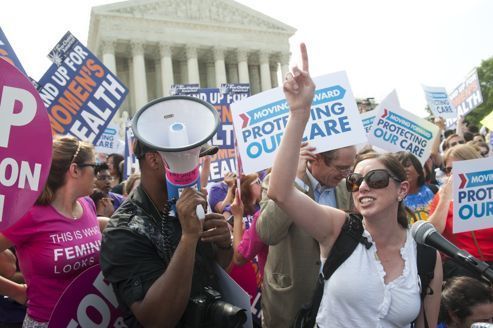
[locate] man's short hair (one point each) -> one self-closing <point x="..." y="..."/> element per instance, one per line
<point x="328" y="156"/>
<point x="140" y="149"/>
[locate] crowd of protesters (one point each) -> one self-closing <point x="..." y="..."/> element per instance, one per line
<point x="284" y="225"/>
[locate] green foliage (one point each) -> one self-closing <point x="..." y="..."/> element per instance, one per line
<point x="485" y="75"/>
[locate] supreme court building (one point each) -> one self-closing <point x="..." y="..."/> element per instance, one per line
<point x="153" y="44"/>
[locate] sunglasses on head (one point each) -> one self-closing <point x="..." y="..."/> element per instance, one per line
<point x="460" y="142"/>
<point x="376" y="179"/>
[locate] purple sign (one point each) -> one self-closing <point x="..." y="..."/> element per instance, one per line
<point x="25" y="144"/>
<point x="89" y="301"/>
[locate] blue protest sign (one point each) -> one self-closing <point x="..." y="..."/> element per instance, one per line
<point x="7" y="52"/>
<point x="80" y="93"/>
<point x="224" y="160"/>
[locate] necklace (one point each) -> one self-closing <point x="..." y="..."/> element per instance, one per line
<point x="165" y="241"/>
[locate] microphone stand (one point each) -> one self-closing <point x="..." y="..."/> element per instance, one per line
<point x="479" y="266"/>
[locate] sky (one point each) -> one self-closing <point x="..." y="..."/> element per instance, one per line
<point x="381" y="44"/>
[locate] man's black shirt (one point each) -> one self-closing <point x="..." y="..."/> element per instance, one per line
<point x="137" y="247"/>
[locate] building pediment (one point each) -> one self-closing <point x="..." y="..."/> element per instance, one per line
<point x="211" y="12"/>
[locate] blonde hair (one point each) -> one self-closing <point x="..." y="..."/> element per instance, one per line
<point x="461" y="152"/>
<point x="66" y="150"/>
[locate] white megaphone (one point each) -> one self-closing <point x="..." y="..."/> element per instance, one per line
<point x="176" y="127"/>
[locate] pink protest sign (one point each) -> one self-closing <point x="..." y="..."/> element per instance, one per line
<point x="25" y="144"/>
<point x="89" y="301"/>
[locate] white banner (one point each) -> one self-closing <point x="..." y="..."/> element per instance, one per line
<point x="259" y="121"/>
<point x="367" y="118"/>
<point x="395" y="129"/>
<point x="473" y="194"/>
<point x="466" y="96"/>
<point x="439" y="102"/>
<point x="109" y="142"/>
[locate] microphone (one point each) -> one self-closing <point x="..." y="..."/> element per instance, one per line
<point x="425" y="233"/>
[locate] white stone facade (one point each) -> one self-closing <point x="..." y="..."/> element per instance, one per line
<point x="152" y="44"/>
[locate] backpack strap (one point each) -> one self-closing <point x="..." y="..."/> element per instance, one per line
<point x="351" y="235"/>
<point x="426" y="258"/>
<point x="426" y="261"/>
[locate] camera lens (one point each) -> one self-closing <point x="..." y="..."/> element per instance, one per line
<point x="225" y="315"/>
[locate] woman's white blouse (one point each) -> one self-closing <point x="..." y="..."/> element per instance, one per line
<point x="356" y="295"/>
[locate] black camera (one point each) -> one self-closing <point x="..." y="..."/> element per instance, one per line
<point x="208" y="310"/>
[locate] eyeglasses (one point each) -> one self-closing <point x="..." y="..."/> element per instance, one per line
<point x="93" y="165"/>
<point x="257" y="181"/>
<point x="460" y="142"/>
<point x="376" y="179"/>
<point x="343" y="169"/>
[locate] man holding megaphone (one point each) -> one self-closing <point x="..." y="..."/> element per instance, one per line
<point x="159" y="262"/>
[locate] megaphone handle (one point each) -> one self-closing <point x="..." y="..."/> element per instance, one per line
<point x="199" y="210"/>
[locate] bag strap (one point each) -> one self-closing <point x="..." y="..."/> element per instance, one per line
<point x="426" y="260"/>
<point x="351" y="235"/>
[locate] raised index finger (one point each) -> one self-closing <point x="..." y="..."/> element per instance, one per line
<point x="304" y="57"/>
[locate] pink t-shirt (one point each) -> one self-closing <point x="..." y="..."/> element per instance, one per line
<point x="52" y="251"/>
<point x="251" y="245"/>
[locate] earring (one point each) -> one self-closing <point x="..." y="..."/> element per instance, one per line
<point x="399" y="199"/>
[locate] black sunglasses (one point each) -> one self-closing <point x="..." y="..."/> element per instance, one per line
<point x="460" y="142"/>
<point x="376" y="179"/>
<point x="93" y="165"/>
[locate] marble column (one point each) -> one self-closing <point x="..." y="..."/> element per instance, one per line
<point x="211" y="75"/>
<point x="192" y="65"/>
<point x="109" y="59"/>
<point x="273" y="75"/>
<point x="232" y="73"/>
<point x="284" y="65"/>
<point x="166" y="68"/>
<point x="220" y="66"/>
<point x="183" y="72"/>
<point x="265" y="82"/>
<point x="139" y="73"/>
<point x="243" y="66"/>
<point x="255" y="86"/>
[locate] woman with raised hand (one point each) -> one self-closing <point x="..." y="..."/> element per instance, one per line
<point x="377" y="286"/>
<point x="250" y="253"/>
<point x="59" y="237"/>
